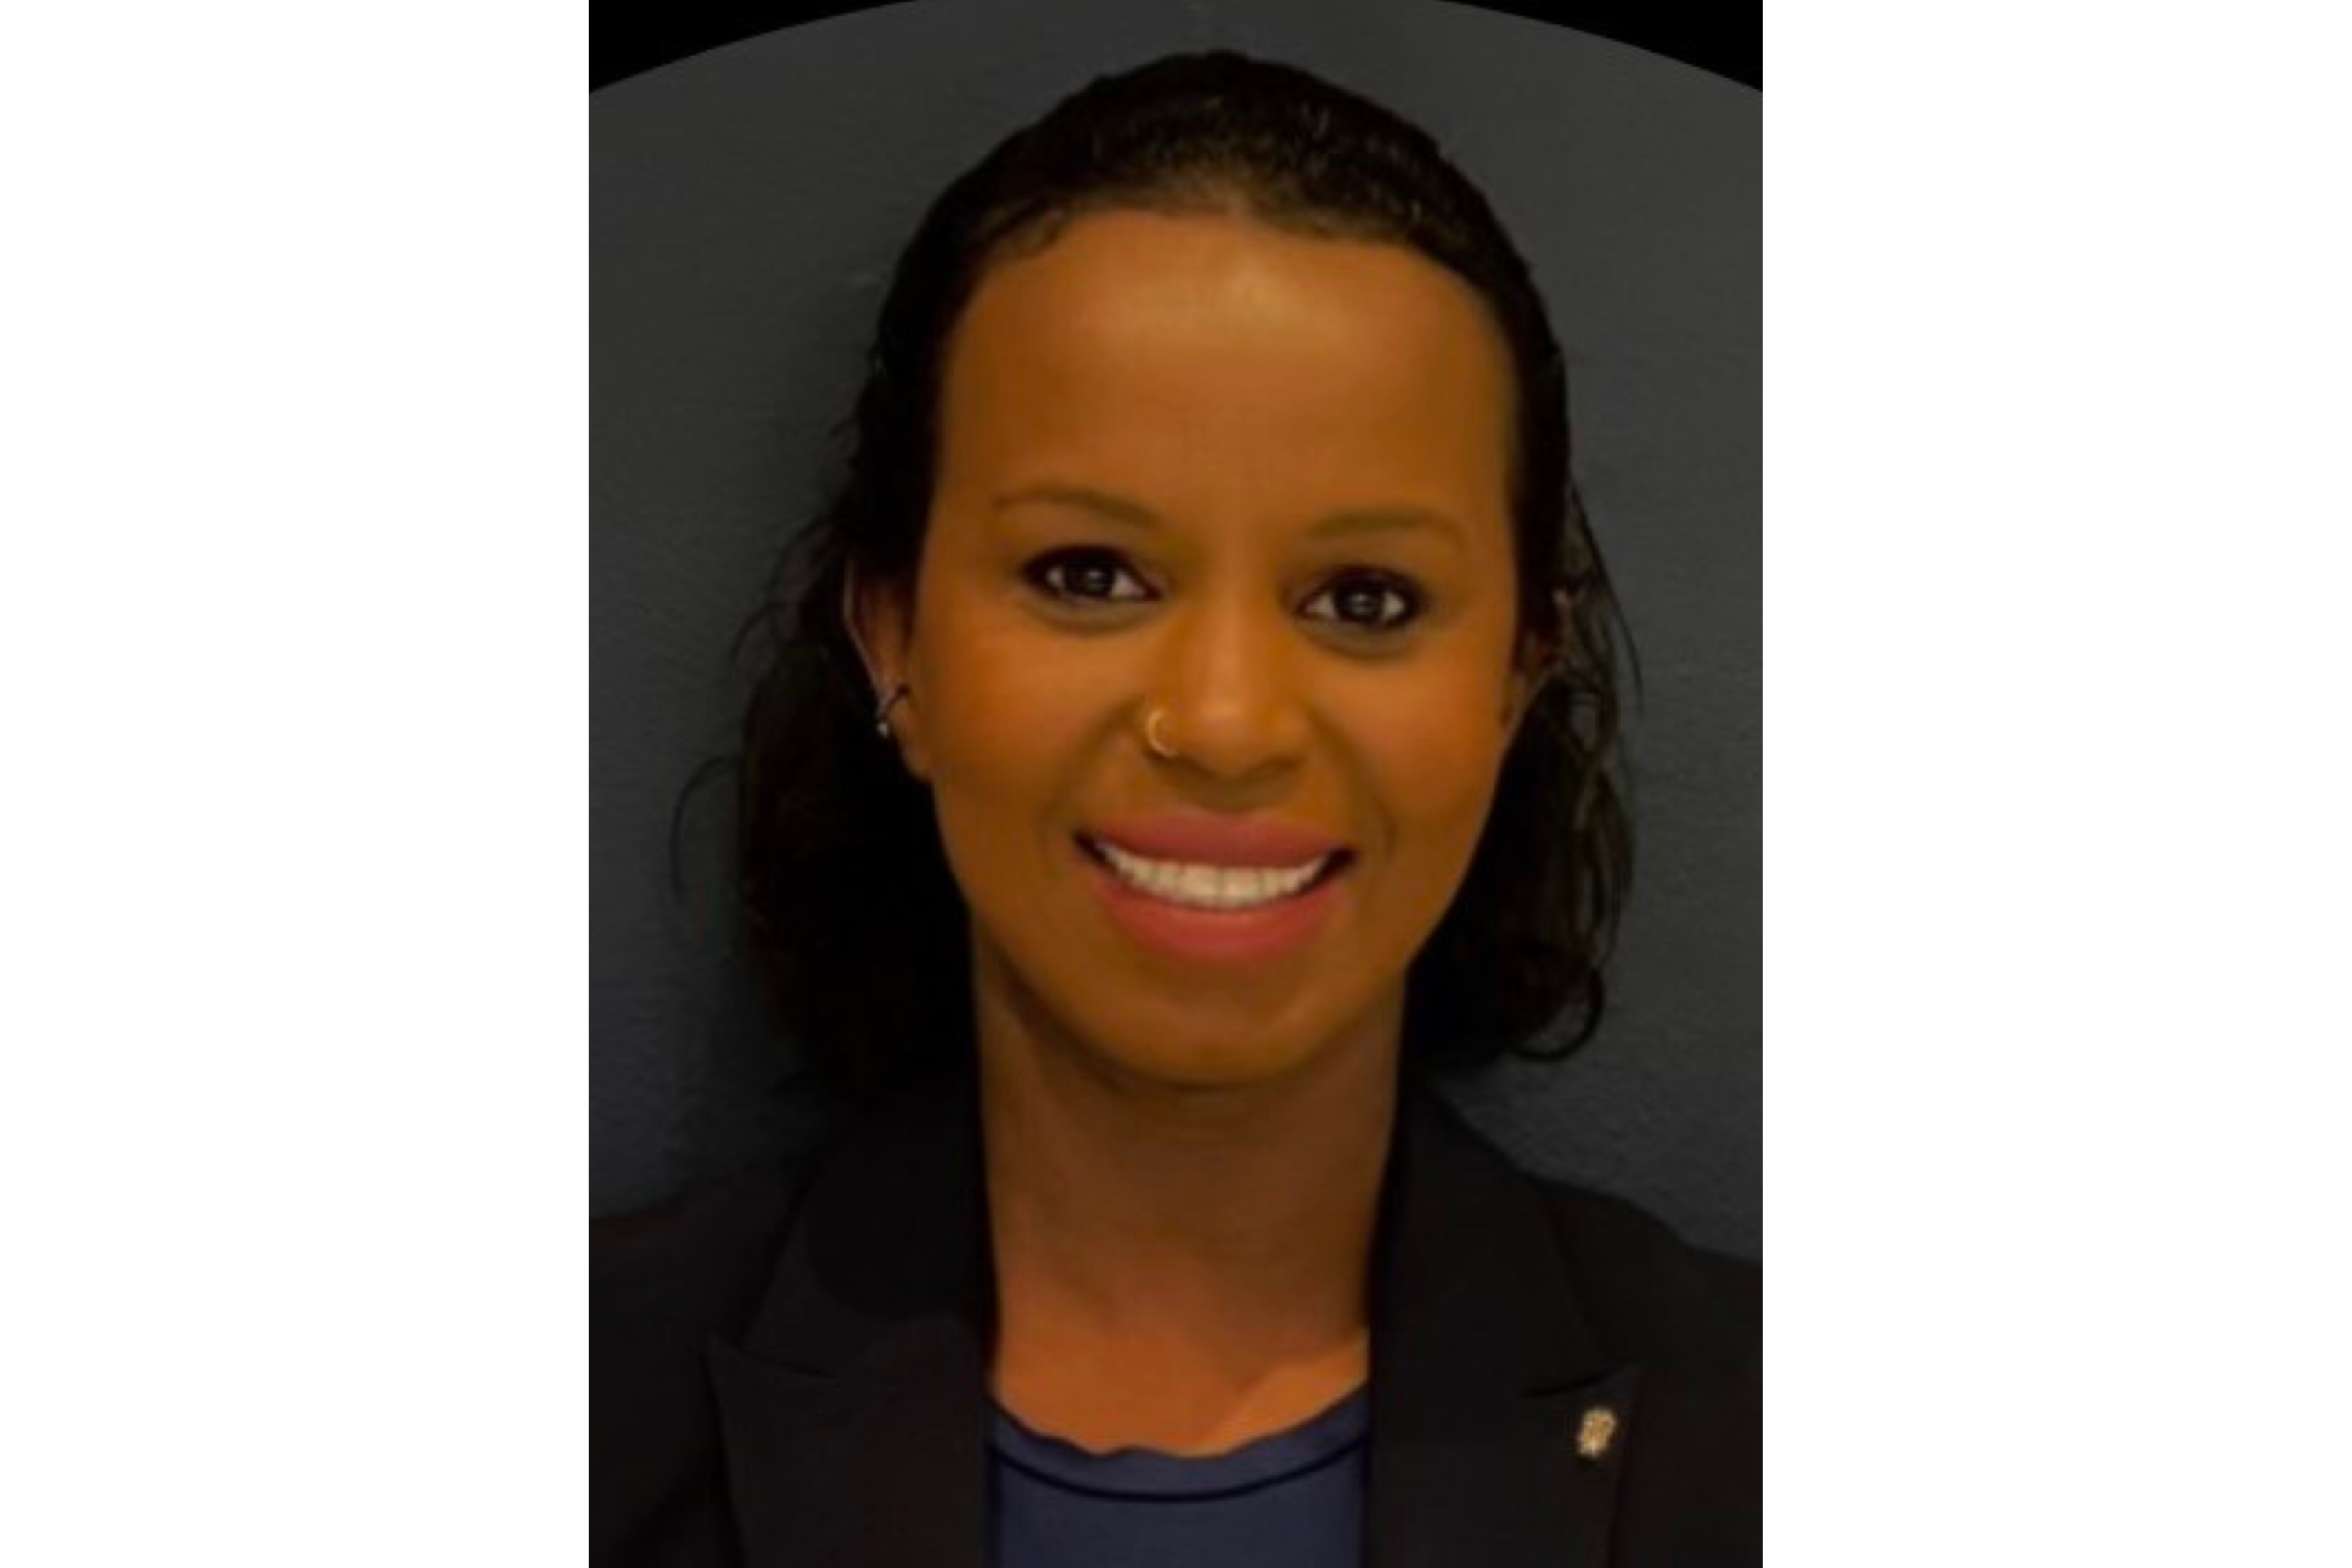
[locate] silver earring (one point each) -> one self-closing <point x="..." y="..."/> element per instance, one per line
<point x="882" y="713"/>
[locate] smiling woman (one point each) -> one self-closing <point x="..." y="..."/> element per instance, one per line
<point x="1148" y="430"/>
<point x="1191" y="723"/>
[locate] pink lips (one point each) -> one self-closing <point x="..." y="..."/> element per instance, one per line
<point x="1219" y="936"/>
<point x="1202" y="838"/>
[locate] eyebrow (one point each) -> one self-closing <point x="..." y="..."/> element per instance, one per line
<point x="1349" y="522"/>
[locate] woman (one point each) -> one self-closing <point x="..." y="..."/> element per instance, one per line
<point x="1191" y="724"/>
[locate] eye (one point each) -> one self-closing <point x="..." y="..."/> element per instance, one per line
<point x="1080" y="576"/>
<point x="1367" y="594"/>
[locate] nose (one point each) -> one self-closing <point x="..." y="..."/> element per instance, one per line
<point x="1231" y="680"/>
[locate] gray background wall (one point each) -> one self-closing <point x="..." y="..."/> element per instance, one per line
<point x="746" y="207"/>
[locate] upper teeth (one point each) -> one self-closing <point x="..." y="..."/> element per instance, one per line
<point x="1210" y="886"/>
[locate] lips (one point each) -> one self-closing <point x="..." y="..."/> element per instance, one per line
<point x="1200" y="838"/>
<point x="1250" y="935"/>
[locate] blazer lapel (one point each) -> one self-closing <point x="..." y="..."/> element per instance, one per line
<point x="855" y="1412"/>
<point x="1498" y="1425"/>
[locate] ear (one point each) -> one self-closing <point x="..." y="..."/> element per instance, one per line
<point x="879" y="620"/>
<point x="1536" y="664"/>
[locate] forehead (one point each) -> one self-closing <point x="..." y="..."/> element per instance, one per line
<point x="1214" y="361"/>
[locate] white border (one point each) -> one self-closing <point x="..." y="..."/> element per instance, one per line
<point x="292" y="621"/>
<point x="2055" y="782"/>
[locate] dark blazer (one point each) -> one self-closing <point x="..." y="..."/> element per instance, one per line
<point x="788" y="1370"/>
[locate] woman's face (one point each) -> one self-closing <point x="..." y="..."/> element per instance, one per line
<point x="1261" y="481"/>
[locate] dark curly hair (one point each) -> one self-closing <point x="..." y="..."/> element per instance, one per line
<point x="846" y="903"/>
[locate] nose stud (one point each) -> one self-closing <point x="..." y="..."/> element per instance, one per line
<point x="1152" y="724"/>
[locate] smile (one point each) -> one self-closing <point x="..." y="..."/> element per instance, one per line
<point x="1217" y="915"/>
<point x="1210" y="887"/>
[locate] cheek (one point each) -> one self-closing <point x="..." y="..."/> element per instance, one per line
<point x="1008" y="721"/>
<point x="1432" y="765"/>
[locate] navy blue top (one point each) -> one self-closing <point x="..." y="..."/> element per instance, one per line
<point x="1293" y="1498"/>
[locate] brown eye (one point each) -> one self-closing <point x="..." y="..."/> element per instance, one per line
<point x="1373" y="602"/>
<point x="1080" y="576"/>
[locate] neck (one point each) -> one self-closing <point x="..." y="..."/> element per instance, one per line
<point x="1181" y="1266"/>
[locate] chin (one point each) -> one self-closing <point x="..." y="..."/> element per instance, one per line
<point x="1203" y="1073"/>
<point x="1244" y="1033"/>
<point x="1236" y="1057"/>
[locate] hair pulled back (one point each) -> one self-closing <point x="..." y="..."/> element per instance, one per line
<point x="846" y="902"/>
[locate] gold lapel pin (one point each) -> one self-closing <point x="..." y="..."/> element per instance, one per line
<point x="1595" y="1432"/>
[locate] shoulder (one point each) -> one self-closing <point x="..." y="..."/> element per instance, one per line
<point x="1692" y="1319"/>
<point x="1644" y="1291"/>
<point x="662" y="1280"/>
<point x="696" y="1255"/>
<point x="1647" y="1291"/>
